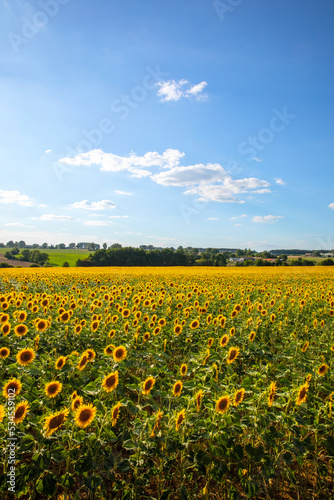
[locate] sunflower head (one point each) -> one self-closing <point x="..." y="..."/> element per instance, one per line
<point x="12" y="388"/>
<point x="60" y="362"/>
<point x="180" y="418"/>
<point x="109" y="349"/>
<point x="232" y="354"/>
<point x="20" y="411"/>
<point x="224" y="340"/>
<point x="84" y="415"/>
<point x="53" y="388"/>
<point x="198" y="399"/>
<point x="183" y="369"/>
<point x="302" y="393"/>
<point x="115" y="413"/>
<point x="4" y="352"/>
<point x="323" y="369"/>
<point x="177" y="329"/>
<point x="20" y="330"/>
<point x="55" y="421"/>
<point x="252" y="336"/>
<point x="110" y="381"/>
<point x="177" y="388"/>
<point x="239" y="396"/>
<point x="222" y="404"/>
<point x="76" y="402"/>
<point x="119" y="353"/>
<point x="25" y="357"/>
<point x="148" y="385"/>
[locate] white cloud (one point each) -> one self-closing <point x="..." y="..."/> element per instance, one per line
<point x="97" y="222"/>
<point x="193" y="174"/>
<point x="94" y="205"/>
<point x="280" y="181"/>
<point x="210" y="181"/>
<point x="212" y="218"/>
<point x="124" y="193"/>
<point x="238" y="217"/>
<point x="259" y="160"/>
<point x="15" y="197"/>
<point x="172" y="90"/>
<point x="134" y="164"/>
<point x="118" y="216"/>
<point x="16" y="224"/>
<point x="265" y="219"/>
<point x="331" y="205"/>
<point x="47" y="151"/>
<point x="238" y="224"/>
<point x="54" y="217"/>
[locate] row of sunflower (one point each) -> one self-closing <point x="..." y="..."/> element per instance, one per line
<point x="166" y="378"/>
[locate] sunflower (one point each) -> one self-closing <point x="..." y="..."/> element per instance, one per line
<point x="148" y="385"/>
<point x="84" y="415"/>
<point x="222" y="322"/>
<point x="252" y="336"/>
<point x="20" y="411"/>
<point x="55" y="421"/>
<point x="53" y="388"/>
<point x="177" y="329"/>
<point x="158" y="417"/>
<point x="194" y="324"/>
<point x="12" y="388"/>
<point x="4" y="352"/>
<point x="222" y="404"/>
<point x="60" y="362"/>
<point x="78" y="329"/>
<point x="90" y="353"/>
<point x="162" y="322"/>
<point x="210" y="342"/>
<point x="233" y="353"/>
<point x="4" y="318"/>
<point x="41" y="325"/>
<point x="198" y="399"/>
<point x="115" y="413"/>
<point x="109" y="349"/>
<point x="157" y="330"/>
<point x="305" y="346"/>
<point x="183" y="369"/>
<point x="323" y="369"/>
<point x="2" y="413"/>
<point x="94" y="326"/>
<point x="82" y="362"/>
<point x="302" y="393"/>
<point x="76" y="402"/>
<point x="239" y="396"/>
<point x="6" y="329"/>
<point x="25" y="357"/>
<point x="232" y="331"/>
<point x="180" y="418"/>
<point x="20" y="330"/>
<point x="272" y="390"/>
<point x="110" y="381"/>
<point x="223" y="341"/>
<point x="65" y="316"/>
<point x="177" y="388"/>
<point x="22" y="316"/>
<point x="126" y="313"/>
<point x="119" y="353"/>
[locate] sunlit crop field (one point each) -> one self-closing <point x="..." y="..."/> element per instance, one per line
<point x="160" y="383"/>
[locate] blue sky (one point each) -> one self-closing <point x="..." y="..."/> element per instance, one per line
<point x="196" y="122"/>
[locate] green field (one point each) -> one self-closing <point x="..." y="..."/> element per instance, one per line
<point x="58" y="257"/>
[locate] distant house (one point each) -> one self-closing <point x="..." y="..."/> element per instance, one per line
<point x="329" y="254"/>
<point x="84" y="245"/>
<point x="236" y="259"/>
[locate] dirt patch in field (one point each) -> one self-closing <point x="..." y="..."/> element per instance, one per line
<point x="15" y="263"/>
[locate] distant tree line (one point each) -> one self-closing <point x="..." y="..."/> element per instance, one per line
<point x="26" y="255"/>
<point x="130" y="256"/>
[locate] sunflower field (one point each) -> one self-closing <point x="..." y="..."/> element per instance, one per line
<point x="167" y="383"/>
